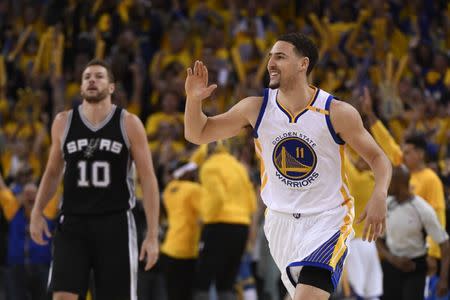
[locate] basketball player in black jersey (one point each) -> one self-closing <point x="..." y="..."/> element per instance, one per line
<point x="94" y="147"/>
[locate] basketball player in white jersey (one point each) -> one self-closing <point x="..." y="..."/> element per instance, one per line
<point x="300" y="132"/>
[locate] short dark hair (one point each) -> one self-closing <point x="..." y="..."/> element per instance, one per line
<point x="304" y="47"/>
<point x="99" y="62"/>
<point x="418" y="141"/>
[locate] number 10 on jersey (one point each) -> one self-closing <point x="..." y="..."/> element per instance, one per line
<point x="96" y="169"/>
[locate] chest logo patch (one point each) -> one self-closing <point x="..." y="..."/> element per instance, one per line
<point x="294" y="158"/>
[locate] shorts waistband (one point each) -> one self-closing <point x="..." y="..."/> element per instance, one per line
<point x="290" y="215"/>
<point x="96" y="214"/>
<point x="298" y="215"/>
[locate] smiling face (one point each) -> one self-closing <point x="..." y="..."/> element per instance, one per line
<point x="286" y="66"/>
<point x="95" y="84"/>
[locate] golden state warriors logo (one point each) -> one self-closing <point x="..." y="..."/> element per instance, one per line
<point x="294" y="158"/>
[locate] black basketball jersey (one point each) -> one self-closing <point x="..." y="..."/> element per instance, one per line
<point x="98" y="164"/>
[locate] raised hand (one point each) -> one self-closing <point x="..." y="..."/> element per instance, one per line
<point x="366" y="105"/>
<point x="196" y="84"/>
<point x="392" y="105"/>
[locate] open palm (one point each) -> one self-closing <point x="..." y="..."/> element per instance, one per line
<point x="196" y="84"/>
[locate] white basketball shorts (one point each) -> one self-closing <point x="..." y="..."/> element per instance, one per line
<point x="309" y="240"/>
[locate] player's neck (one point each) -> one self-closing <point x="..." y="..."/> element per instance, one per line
<point x="296" y="98"/>
<point x="96" y="113"/>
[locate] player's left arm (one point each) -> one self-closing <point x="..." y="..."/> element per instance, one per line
<point x="349" y="126"/>
<point x="144" y="165"/>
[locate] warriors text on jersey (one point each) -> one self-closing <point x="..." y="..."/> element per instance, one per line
<point x="97" y="176"/>
<point x="302" y="168"/>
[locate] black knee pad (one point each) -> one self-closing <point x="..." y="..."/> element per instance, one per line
<point x="317" y="277"/>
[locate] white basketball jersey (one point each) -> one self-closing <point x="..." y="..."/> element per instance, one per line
<point x="302" y="158"/>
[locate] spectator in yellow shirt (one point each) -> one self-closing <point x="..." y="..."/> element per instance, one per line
<point x="169" y="113"/>
<point x="179" y="251"/>
<point x="227" y="214"/>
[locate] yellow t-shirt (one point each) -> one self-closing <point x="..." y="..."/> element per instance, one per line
<point x="397" y="128"/>
<point x="426" y="184"/>
<point x="361" y="185"/>
<point x="9" y="204"/>
<point x="182" y="199"/>
<point x="230" y="196"/>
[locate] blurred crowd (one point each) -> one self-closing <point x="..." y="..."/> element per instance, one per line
<point x="388" y="58"/>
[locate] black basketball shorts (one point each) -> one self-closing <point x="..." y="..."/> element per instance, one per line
<point x="105" y="245"/>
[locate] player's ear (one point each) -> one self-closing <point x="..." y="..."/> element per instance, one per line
<point x="112" y="88"/>
<point x="304" y="63"/>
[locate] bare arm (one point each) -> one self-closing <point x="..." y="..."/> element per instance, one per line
<point x="199" y="128"/>
<point x="402" y="263"/>
<point x="50" y="181"/>
<point x="442" y="287"/>
<point x="384" y="251"/>
<point x="144" y="165"/>
<point x="363" y="16"/>
<point x="379" y="132"/>
<point x="348" y="124"/>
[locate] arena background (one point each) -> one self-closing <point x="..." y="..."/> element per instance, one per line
<point x="397" y="51"/>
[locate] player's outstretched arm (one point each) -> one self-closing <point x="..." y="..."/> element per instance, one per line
<point x="144" y="166"/>
<point x="200" y="129"/>
<point x="49" y="182"/>
<point x="348" y="124"/>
